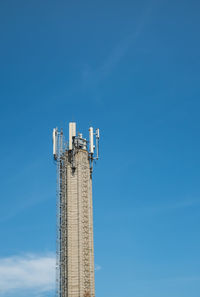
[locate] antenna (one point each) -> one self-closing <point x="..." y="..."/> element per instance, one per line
<point x="76" y="143"/>
<point x="72" y="133"/>
<point x="55" y="130"/>
<point x="97" y="143"/>
<point x="91" y="140"/>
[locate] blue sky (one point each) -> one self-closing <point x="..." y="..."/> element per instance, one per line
<point x="130" y="68"/>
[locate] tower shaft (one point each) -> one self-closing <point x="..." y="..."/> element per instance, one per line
<point x="76" y="226"/>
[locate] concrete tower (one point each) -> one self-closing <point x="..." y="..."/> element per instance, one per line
<point x="75" y="252"/>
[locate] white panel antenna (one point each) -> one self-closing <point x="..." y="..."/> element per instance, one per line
<point x="55" y="143"/>
<point x="97" y="143"/>
<point x="91" y="140"/>
<point x="72" y="133"/>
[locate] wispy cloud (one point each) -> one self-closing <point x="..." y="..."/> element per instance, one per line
<point x="173" y="206"/>
<point x="92" y="78"/>
<point x="172" y="280"/>
<point x="155" y="209"/>
<point x="31" y="273"/>
<point x="25" y="196"/>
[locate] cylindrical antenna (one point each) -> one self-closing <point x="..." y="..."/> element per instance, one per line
<point x="91" y="139"/>
<point x="72" y="133"/>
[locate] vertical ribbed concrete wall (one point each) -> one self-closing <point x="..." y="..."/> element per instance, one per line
<point x="77" y="253"/>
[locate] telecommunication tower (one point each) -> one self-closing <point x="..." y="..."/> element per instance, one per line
<point x="75" y="251"/>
